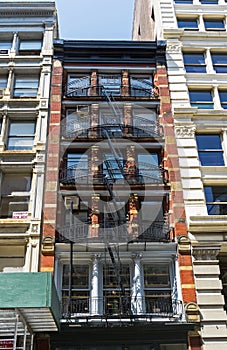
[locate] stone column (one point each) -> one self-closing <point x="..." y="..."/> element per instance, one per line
<point x="133" y="215"/>
<point x="128" y="120"/>
<point x="94" y="83"/>
<point x="138" y="299"/>
<point x="96" y="300"/>
<point x="94" y="121"/>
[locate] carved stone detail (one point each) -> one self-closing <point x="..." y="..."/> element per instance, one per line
<point x="173" y="47"/>
<point x="185" y="131"/>
<point x="205" y="253"/>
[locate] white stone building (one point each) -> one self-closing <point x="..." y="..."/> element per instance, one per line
<point x="195" y="31"/>
<point x="27" y="30"/>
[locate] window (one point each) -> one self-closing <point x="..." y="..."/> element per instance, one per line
<point x="80" y="289"/>
<point x="214" y="24"/>
<point x="194" y="62"/>
<point x="12" y="256"/>
<point x="183" y="2"/>
<point x="188" y="23"/>
<point x="140" y="85"/>
<point x="30" y="47"/>
<point x="77" y="166"/>
<point x="21" y="135"/>
<point x="201" y="99"/>
<point x="219" y="62"/>
<point x="5" y="46"/>
<point x="223" y="98"/>
<point x="110" y="84"/>
<point x="78" y="85"/>
<point x="157" y="288"/>
<point x="216" y="200"/>
<point x="78" y="121"/>
<point x="112" y="121"/>
<point x="26" y="86"/>
<point x="210" y="150"/>
<point x="148" y="165"/>
<point x="112" y="168"/>
<point x="116" y="295"/>
<point x="15" y="195"/>
<point x="209" y="2"/>
<point x="3" y="81"/>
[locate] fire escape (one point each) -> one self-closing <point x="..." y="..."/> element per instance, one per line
<point x="117" y="229"/>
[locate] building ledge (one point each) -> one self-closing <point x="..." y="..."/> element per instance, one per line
<point x="209" y="223"/>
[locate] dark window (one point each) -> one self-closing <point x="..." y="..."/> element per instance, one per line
<point x="30" y="47"/>
<point x="194" y="62"/>
<point x="80" y="289"/>
<point x="15" y="195"/>
<point x="209" y="2"/>
<point x="77" y="166"/>
<point x="216" y="200"/>
<point x="223" y="98"/>
<point x="116" y="295"/>
<point x="5" y="46"/>
<point x="201" y="99"/>
<point x="183" y="1"/>
<point x="77" y="121"/>
<point x="210" y="150"/>
<point x="157" y="289"/>
<point x="214" y="24"/>
<point x="21" y="135"/>
<point x="219" y="62"/>
<point x="186" y="23"/>
<point x="26" y="86"/>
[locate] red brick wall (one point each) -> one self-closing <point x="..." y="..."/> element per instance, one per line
<point x="52" y="166"/>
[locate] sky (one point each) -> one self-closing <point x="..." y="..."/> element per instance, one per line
<point x="95" y="19"/>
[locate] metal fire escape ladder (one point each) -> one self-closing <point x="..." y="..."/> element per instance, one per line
<point x="116" y="266"/>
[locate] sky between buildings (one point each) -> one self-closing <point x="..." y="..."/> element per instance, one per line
<point x="95" y="19"/>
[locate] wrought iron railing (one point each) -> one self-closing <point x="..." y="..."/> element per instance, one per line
<point x="122" y="306"/>
<point x="73" y="90"/>
<point x="140" y="128"/>
<point x="146" y="174"/>
<point x="156" y="231"/>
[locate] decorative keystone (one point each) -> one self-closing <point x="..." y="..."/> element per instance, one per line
<point x="192" y="312"/>
<point x="184" y="245"/>
<point x="48" y="245"/>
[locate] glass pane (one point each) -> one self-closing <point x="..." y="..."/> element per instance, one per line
<point x="3" y="82"/>
<point x="211" y="158"/>
<point x="30" y="45"/>
<point x="194" y="58"/>
<point x="156" y="276"/>
<point x="195" y="69"/>
<point x="5" y="45"/>
<point x="219" y="58"/>
<point x="80" y="277"/>
<point x="208" y="142"/>
<point x="214" y="24"/>
<point x="200" y="96"/>
<point x="183" y="1"/>
<point x="18" y="128"/>
<point x="26" y="83"/>
<point x="187" y="23"/>
<point x="20" y="143"/>
<point x="110" y="279"/>
<point x="220" y="69"/>
<point x="223" y="96"/>
<point x="209" y="2"/>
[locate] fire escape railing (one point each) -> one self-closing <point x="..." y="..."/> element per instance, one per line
<point x="123" y="306"/>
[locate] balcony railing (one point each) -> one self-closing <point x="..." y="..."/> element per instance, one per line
<point x="157" y="231"/>
<point x="74" y="90"/>
<point x="122" y="306"/>
<point x="146" y="174"/>
<point x="140" y="128"/>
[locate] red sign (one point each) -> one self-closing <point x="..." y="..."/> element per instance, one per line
<point x="6" y="344"/>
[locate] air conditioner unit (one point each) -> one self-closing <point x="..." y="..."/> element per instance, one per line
<point x="72" y="200"/>
<point x="4" y="51"/>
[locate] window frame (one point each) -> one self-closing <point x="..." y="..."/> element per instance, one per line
<point x="36" y="50"/>
<point x="197" y="65"/>
<point x="78" y="84"/>
<point x="188" y="20"/>
<point x="210" y="151"/>
<point x="207" y="20"/>
<point x="213" y="204"/>
<point x="22" y="136"/>
<point x="223" y="102"/>
<point x="25" y="85"/>
<point x="201" y="103"/>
